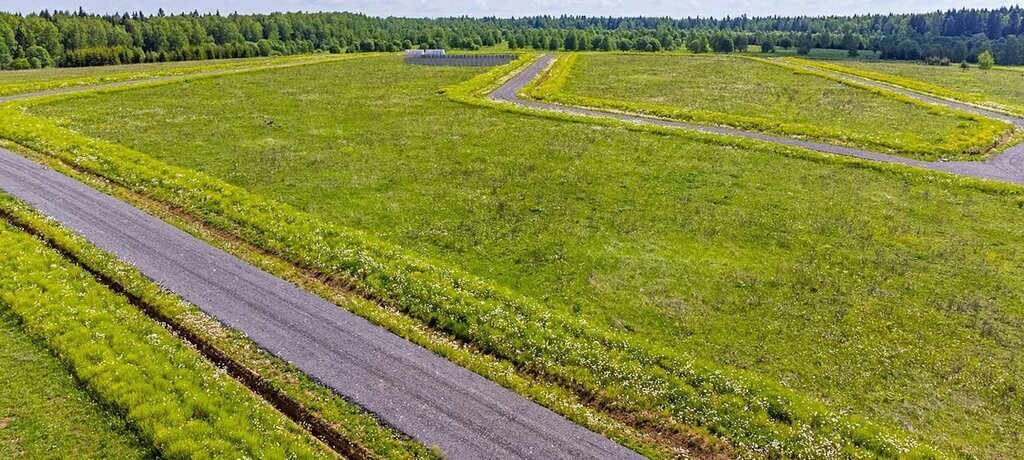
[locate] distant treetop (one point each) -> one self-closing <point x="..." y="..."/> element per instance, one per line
<point x="65" y="38"/>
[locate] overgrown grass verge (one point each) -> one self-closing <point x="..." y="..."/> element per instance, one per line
<point x="915" y="85"/>
<point x="46" y="413"/>
<point x="179" y="402"/>
<point x="340" y="424"/>
<point x="659" y="387"/>
<point x="982" y="137"/>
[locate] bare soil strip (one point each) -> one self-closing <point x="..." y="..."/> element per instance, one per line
<point x="1007" y="166"/>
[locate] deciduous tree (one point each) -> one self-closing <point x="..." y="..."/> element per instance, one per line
<point x="986" y="60"/>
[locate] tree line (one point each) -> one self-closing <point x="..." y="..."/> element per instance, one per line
<point x="70" y="39"/>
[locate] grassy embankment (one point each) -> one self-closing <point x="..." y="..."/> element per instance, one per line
<point x="1000" y="89"/>
<point x="687" y="256"/>
<point x="767" y="96"/>
<point x="179" y="403"/>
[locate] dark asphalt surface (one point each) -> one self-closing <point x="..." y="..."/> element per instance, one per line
<point x="412" y="389"/>
<point x="1007" y="166"/>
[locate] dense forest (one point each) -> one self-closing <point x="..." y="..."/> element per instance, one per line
<point x="70" y="39"/>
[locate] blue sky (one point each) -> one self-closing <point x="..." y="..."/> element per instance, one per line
<point x="433" y="8"/>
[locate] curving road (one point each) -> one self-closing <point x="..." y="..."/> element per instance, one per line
<point x="1007" y="166"/>
<point x="410" y="388"/>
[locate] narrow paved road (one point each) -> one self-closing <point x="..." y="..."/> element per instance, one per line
<point x="412" y="389"/>
<point x="1007" y="166"/>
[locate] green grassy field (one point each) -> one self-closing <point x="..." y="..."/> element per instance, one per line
<point x="28" y="81"/>
<point x="1000" y="88"/>
<point x="763" y="96"/>
<point x="45" y="413"/>
<point x="884" y="294"/>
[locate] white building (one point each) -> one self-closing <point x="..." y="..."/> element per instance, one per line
<point x="417" y="53"/>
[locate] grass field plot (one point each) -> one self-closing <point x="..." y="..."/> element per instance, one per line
<point x="764" y="96"/>
<point x="1000" y="88"/>
<point x="893" y="298"/>
<point x="34" y="80"/>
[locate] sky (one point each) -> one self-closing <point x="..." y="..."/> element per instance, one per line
<point x="506" y="8"/>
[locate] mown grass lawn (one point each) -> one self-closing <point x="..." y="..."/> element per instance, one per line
<point x="747" y="93"/>
<point x="996" y="87"/>
<point x="892" y="297"/>
<point x="46" y="413"/>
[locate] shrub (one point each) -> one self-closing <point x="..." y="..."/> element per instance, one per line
<point x="986" y="60"/>
<point x="698" y="45"/>
<point x="722" y="44"/>
<point x="936" y="60"/>
<point x="38" y="56"/>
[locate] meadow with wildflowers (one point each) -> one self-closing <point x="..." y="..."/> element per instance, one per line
<point x="785" y="301"/>
<point x="769" y="96"/>
<point x="1000" y="89"/>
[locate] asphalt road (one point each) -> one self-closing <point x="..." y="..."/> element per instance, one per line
<point x="1008" y="166"/>
<point x="410" y="388"/>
